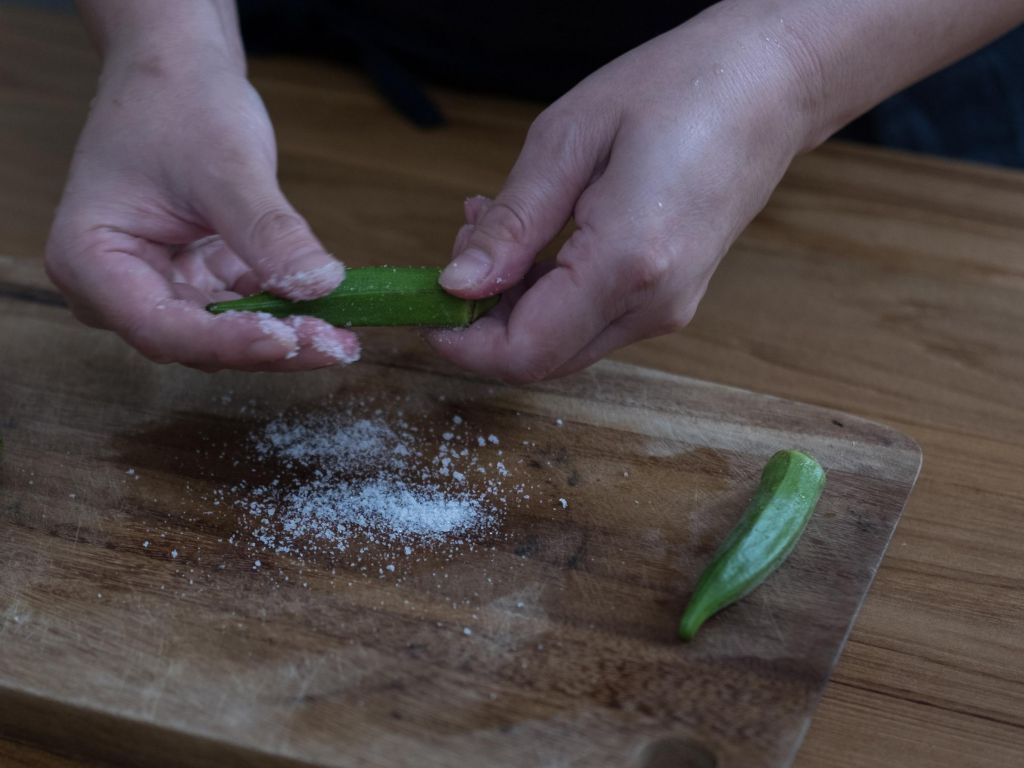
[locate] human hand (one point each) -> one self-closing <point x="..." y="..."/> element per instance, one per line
<point x="661" y="158"/>
<point x="172" y="202"/>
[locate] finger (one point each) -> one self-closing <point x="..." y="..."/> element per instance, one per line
<point x="259" y="224"/>
<point x="557" y="161"/>
<point x="320" y="343"/>
<point x="462" y="238"/>
<point x="620" y="333"/>
<point x="559" y="315"/>
<point x="209" y="264"/>
<point x="165" y="322"/>
<point x="474" y="207"/>
<point x="663" y="315"/>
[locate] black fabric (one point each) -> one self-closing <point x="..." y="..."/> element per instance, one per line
<point x="973" y="110"/>
<point x="539" y="50"/>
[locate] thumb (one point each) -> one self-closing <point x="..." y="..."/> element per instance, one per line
<point x="556" y="163"/>
<point x="260" y="225"/>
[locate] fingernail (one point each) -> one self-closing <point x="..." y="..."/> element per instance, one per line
<point x="467" y="270"/>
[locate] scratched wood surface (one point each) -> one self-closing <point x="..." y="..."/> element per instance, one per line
<point x="134" y="605"/>
<point x="886" y="285"/>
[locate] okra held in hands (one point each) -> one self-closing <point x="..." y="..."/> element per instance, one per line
<point x="375" y="296"/>
<point x="790" y="487"/>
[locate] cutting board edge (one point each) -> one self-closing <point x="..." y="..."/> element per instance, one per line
<point x="79" y="730"/>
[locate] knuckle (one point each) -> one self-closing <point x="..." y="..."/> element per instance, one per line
<point x="554" y="128"/>
<point x="505" y="221"/>
<point x="679" y="315"/>
<point x="276" y="226"/>
<point x="651" y="267"/>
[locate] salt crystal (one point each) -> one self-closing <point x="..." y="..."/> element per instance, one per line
<point x="130" y="471"/>
<point x="559" y="422"/>
<point x="467" y="631"/>
<point x="174" y="554"/>
<point x="356" y="473"/>
<point x="145" y="544"/>
<point x="276" y="329"/>
<point x="564" y="503"/>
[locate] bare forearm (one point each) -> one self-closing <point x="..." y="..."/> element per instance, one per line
<point x="158" y="31"/>
<point x="854" y="54"/>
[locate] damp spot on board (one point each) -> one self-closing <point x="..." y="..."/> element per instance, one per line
<point x="368" y="484"/>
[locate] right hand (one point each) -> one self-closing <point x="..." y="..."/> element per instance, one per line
<point x="172" y="202"/>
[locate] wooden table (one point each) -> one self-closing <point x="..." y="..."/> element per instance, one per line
<point x="885" y="285"/>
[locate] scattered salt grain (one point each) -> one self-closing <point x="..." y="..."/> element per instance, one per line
<point x="326" y="342"/>
<point x="559" y="423"/>
<point x="174" y="554"/>
<point x="564" y="503"/>
<point x="467" y="631"/>
<point x="368" y="481"/>
<point x="277" y="329"/>
<point x="130" y="471"/>
<point x="145" y="544"/>
<point x="308" y="283"/>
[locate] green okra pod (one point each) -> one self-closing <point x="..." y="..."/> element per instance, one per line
<point x="374" y="296"/>
<point x="790" y="487"/>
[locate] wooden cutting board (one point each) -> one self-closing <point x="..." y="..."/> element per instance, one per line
<point x="549" y="642"/>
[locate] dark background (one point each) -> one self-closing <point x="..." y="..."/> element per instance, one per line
<point x="972" y="111"/>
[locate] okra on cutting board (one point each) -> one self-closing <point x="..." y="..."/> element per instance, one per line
<point x="791" y="484"/>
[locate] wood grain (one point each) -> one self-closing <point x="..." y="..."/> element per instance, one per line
<point x="142" y="621"/>
<point x="878" y="283"/>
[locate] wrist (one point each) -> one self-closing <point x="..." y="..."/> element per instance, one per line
<point x="155" y="37"/>
<point x="759" y="78"/>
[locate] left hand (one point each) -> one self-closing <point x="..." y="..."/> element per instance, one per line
<point x="661" y="158"/>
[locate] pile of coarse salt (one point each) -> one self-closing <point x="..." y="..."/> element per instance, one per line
<point x="365" y="482"/>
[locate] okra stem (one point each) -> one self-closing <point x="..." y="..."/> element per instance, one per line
<point x="374" y="296"/>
